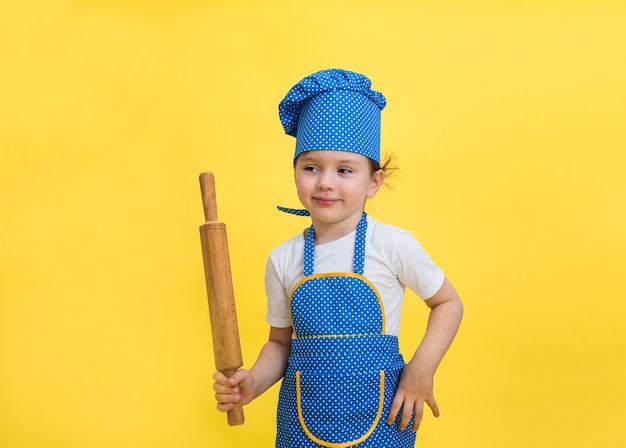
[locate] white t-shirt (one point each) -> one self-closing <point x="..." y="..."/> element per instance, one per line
<point x="393" y="259"/>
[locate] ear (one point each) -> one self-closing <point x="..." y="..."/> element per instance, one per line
<point x="376" y="181"/>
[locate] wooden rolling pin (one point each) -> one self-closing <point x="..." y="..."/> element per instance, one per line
<point x="219" y="285"/>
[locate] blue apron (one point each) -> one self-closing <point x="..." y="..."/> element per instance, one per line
<point x="343" y="369"/>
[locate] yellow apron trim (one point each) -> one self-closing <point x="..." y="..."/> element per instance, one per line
<point x="340" y="444"/>
<point x="343" y="274"/>
<point x="338" y="336"/>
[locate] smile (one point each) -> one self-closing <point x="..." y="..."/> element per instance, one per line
<point x="325" y="201"/>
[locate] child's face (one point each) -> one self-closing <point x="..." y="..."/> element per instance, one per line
<point x="333" y="186"/>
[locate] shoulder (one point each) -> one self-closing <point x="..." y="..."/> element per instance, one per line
<point x="396" y="245"/>
<point x="383" y="233"/>
<point x="406" y="258"/>
<point x="284" y="268"/>
<point x="287" y="251"/>
<point x="294" y="241"/>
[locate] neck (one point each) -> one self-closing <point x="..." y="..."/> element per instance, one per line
<point x="328" y="232"/>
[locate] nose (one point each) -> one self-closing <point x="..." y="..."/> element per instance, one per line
<point x="325" y="180"/>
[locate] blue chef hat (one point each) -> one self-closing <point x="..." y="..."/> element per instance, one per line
<point x="334" y="110"/>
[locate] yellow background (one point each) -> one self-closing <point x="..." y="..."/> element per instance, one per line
<point x="508" y="121"/>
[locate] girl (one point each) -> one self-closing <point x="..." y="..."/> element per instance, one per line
<point x="335" y="293"/>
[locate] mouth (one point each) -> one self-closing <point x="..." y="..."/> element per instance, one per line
<point x="325" y="201"/>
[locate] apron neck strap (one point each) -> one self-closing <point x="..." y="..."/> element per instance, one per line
<point x="359" y="248"/>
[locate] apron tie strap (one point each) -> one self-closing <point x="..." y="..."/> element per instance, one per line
<point x="294" y="211"/>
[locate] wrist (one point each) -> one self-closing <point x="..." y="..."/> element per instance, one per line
<point x="422" y="367"/>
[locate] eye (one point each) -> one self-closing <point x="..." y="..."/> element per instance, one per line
<point x="344" y="171"/>
<point x="310" y="168"/>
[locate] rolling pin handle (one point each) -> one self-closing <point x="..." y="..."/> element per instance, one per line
<point x="207" y="187"/>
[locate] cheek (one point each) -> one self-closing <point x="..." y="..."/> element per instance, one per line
<point x="302" y="184"/>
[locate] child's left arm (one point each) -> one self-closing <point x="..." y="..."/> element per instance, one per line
<point x="416" y="381"/>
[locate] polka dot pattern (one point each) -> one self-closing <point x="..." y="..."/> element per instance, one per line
<point x="340" y="393"/>
<point x="358" y="314"/>
<point x="340" y="361"/>
<point x="334" y="110"/>
<point x="294" y="211"/>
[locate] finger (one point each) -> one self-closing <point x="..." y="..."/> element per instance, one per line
<point x="225" y="389"/>
<point x="432" y="404"/>
<point x="225" y="407"/>
<point x="233" y="380"/>
<point x="229" y="397"/>
<point x="418" y="415"/>
<point x="396" y="404"/>
<point x="237" y="377"/>
<point x="220" y="377"/>
<point x="407" y="412"/>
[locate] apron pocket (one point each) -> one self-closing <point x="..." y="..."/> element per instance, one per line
<point x="340" y="411"/>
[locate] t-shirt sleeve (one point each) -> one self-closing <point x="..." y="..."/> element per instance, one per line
<point x="415" y="268"/>
<point x="278" y="314"/>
